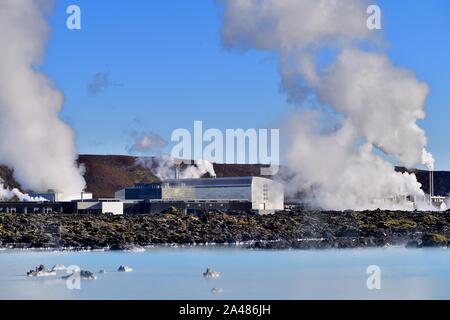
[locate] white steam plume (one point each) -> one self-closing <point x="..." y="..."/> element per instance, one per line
<point x="34" y="140"/>
<point x="164" y="167"/>
<point x="366" y="101"/>
<point x="200" y="168"/>
<point x="7" y="194"/>
<point x="428" y="160"/>
<point x="339" y="173"/>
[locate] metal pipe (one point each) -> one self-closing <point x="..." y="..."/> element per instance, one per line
<point x="432" y="183"/>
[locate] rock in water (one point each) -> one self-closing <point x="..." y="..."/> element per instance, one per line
<point x="41" y="272"/>
<point x="209" y="273"/>
<point x="84" y="275"/>
<point x="124" y="269"/>
<point x="87" y="275"/>
<point x="58" y="267"/>
<point x="216" y="290"/>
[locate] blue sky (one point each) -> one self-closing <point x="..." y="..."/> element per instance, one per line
<point x="167" y="68"/>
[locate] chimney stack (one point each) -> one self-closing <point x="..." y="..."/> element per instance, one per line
<point x="431" y="181"/>
<point x="177" y="171"/>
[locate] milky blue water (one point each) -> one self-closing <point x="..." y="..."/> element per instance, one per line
<point x="176" y="273"/>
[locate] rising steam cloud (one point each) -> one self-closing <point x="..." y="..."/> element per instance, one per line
<point x="7" y="194"/>
<point x="165" y="167"/>
<point x="354" y="101"/>
<point x="34" y="140"/>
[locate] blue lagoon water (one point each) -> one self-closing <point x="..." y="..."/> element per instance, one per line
<point x="176" y="273"/>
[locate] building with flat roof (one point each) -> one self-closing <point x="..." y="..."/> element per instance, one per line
<point x="53" y="196"/>
<point x="230" y="193"/>
<point x="250" y="194"/>
<point x="89" y="206"/>
<point x="102" y="206"/>
<point x="37" y="207"/>
<point x="140" y="191"/>
<point x="264" y="194"/>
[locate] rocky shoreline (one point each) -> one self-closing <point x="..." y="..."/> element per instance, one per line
<point x="297" y="230"/>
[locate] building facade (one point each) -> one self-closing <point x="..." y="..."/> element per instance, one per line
<point x="230" y="193"/>
<point x="54" y="196"/>
<point x="37" y="207"/>
<point x="263" y="194"/>
<point x="101" y="206"/>
<point x="248" y="194"/>
<point x="140" y="191"/>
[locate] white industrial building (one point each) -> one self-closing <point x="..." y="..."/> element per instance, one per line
<point x="229" y="194"/>
<point x="105" y="206"/>
<point x="265" y="195"/>
<point x="54" y="196"/>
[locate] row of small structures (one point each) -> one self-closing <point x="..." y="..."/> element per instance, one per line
<point x="256" y="194"/>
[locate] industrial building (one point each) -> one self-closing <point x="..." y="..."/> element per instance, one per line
<point x="140" y="191"/>
<point x="249" y="194"/>
<point x="103" y="206"/>
<point x="53" y="196"/>
<point x="263" y="194"/>
<point x="99" y="206"/>
<point x="257" y="194"/>
<point x="37" y="207"/>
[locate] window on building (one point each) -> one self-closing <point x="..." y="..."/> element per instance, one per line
<point x="266" y="192"/>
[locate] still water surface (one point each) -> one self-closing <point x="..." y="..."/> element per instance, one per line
<point x="176" y="273"/>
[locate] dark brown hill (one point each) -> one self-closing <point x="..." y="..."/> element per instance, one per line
<point x="106" y="174"/>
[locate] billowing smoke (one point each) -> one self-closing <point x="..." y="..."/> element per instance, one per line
<point x="7" y="194"/>
<point x="165" y="167"/>
<point x="357" y="109"/>
<point x="338" y="172"/>
<point x="162" y="167"/>
<point x="198" y="170"/>
<point x="428" y="160"/>
<point x="34" y="140"/>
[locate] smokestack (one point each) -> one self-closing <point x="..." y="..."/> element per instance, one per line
<point x="177" y="171"/>
<point x="431" y="183"/>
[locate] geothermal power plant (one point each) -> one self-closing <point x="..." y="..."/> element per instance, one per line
<point x="356" y="84"/>
<point x="253" y="194"/>
<point x="250" y="194"/>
